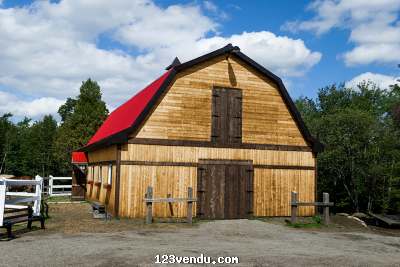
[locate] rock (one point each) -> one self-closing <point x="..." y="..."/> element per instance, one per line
<point x="342" y="214"/>
<point x="358" y="220"/>
<point x="360" y="215"/>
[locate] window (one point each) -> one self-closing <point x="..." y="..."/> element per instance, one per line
<point x="109" y="181"/>
<point x="100" y="174"/>
<point x="226" y="116"/>
<point x="92" y="173"/>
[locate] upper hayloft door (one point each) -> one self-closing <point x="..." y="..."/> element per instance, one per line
<point x="226" y="116"/>
<point x="224" y="189"/>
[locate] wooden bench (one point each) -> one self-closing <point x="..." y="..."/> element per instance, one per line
<point x="13" y="216"/>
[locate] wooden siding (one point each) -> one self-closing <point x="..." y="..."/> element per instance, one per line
<point x="138" y="152"/>
<point x="272" y="187"/>
<point x="271" y="195"/>
<point x="104" y="154"/>
<point x="185" y="111"/>
<point x="164" y="180"/>
<point x="99" y="193"/>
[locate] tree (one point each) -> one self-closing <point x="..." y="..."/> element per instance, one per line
<point x="81" y="119"/>
<point x="359" y="165"/>
<point x="67" y="109"/>
<point x="5" y="126"/>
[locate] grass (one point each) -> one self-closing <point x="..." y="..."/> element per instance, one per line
<point x="59" y="199"/>
<point x="315" y="222"/>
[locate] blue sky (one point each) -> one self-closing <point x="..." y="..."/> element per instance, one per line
<point x="48" y="48"/>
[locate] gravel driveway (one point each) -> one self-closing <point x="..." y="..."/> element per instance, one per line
<point x="255" y="242"/>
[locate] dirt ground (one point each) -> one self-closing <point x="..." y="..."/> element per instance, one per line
<point x="72" y="237"/>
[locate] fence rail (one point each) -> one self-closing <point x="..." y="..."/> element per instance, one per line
<point x="149" y="200"/>
<point x="59" y="190"/>
<point x="325" y="204"/>
<point x="19" y="200"/>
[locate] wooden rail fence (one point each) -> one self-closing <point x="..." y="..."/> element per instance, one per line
<point x="325" y="204"/>
<point x="150" y="200"/>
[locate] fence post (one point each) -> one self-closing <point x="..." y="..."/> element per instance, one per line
<point x="190" y="206"/>
<point x="2" y="200"/>
<point x="38" y="191"/>
<point x="326" y="208"/>
<point x="50" y="185"/>
<point x="294" y="207"/>
<point x="149" y="205"/>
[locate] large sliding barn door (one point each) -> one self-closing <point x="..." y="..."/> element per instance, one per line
<point x="224" y="190"/>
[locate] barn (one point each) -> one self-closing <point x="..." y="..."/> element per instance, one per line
<point x="221" y="124"/>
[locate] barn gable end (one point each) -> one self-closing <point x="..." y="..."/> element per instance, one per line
<point x="184" y="113"/>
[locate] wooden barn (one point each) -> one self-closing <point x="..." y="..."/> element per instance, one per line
<point x="221" y="124"/>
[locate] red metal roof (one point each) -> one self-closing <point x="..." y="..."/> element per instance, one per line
<point x="79" y="157"/>
<point x="125" y="115"/>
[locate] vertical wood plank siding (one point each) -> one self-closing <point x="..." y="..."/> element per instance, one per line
<point x="185" y="111"/>
<point x="99" y="193"/>
<point x="165" y="180"/>
<point x="272" y="187"/>
<point x="138" y="152"/>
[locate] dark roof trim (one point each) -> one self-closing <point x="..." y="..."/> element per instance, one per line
<point x="174" y="63"/>
<point x="314" y="143"/>
<point x="122" y="136"/>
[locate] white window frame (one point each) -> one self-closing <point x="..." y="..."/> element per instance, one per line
<point x="100" y="174"/>
<point x="109" y="178"/>
<point x="92" y="173"/>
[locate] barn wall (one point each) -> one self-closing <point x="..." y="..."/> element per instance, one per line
<point x="272" y="187"/>
<point x="165" y="180"/>
<point x="104" y="154"/>
<point x="185" y="111"/>
<point x="138" y="152"/>
<point x="97" y="190"/>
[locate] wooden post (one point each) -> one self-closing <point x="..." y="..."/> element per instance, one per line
<point x="149" y="205"/>
<point x="326" y="208"/>
<point x="190" y="206"/>
<point x="294" y="207"/>
<point x="171" y="210"/>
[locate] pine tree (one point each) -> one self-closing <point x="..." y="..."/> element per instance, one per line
<point x="81" y="119"/>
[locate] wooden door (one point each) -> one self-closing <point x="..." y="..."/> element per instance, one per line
<point x="225" y="190"/>
<point x="210" y="191"/>
<point x="226" y="116"/>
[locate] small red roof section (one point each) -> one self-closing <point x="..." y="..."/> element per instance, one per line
<point x="79" y="157"/>
<point x="125" y="115"/>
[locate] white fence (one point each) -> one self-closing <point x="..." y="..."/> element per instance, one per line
<point x="18" y="200"/>
<point x="58" y="189"/>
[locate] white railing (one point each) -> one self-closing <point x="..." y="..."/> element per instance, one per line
<point x="59" y="190"/>
<point x="18" y="200"/>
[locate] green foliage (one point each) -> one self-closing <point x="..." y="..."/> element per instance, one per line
<point x="27" y="148"/>
<point x="81" y="119"/>
<point x="44" y="148"/>
<point x="360" y="164"/>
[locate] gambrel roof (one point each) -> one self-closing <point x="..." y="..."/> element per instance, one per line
<point x="128" y="117"/>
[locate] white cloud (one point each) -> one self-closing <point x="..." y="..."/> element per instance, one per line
<point x="283" y="55"/>
<point x="33" y="109"/>
<point x="381" y="80"/>
<point x="210" y="6"/>
<point x="374" y="27"/>
<point x="47" y="49"/>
